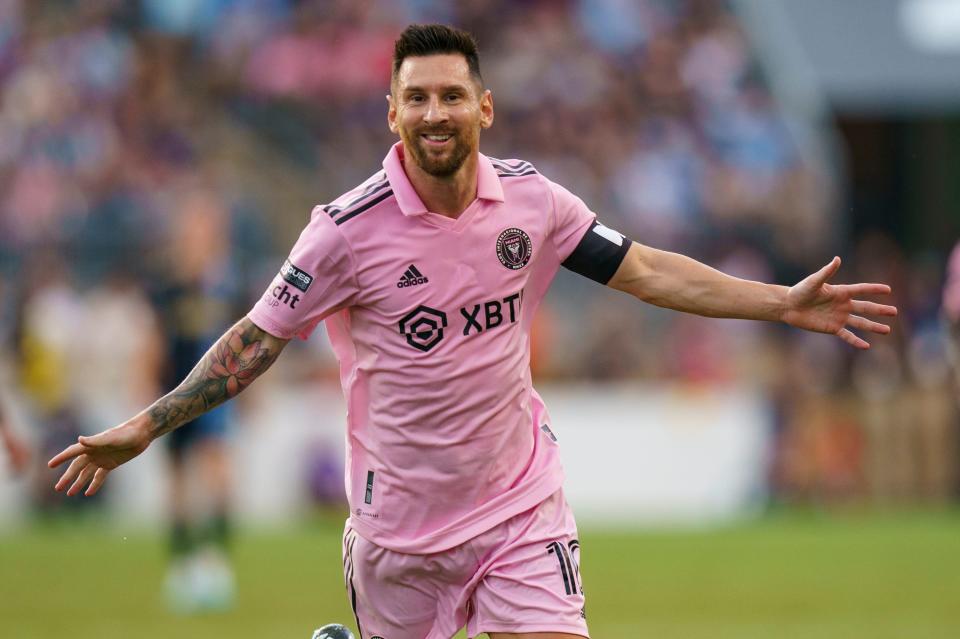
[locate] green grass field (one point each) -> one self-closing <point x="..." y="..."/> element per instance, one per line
<point x="790" y="576"/>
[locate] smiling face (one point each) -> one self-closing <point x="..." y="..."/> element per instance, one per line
<point x="438" y="109"/>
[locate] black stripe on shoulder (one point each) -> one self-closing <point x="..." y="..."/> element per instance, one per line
<point x="373" y="187"/>
<point x="503" y="172"/>
<point x="354" y="213"/>
<point x="510" y="175"/>
<point x="519" y="164"/>
<point x="334" y="211"/>
<point x="506" y="168"/>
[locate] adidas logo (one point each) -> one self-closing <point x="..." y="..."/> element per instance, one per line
<point x="411" y="277"/>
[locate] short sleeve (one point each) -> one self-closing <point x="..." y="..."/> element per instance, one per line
<point x="316" y="280"/>
<point x="573" y="220"/>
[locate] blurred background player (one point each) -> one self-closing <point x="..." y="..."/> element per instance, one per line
<point x="951" y="306"/>
<point x="18" y="455"/>
<point x="197" y="303"/>
<point x="11" y="443"/>
<point x="951" y="314"/>
<point x="49" y="362"/>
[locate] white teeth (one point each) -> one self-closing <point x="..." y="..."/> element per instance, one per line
<point x="438" y="138"/>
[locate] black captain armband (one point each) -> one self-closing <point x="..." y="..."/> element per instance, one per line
<point x="599" y="253"/>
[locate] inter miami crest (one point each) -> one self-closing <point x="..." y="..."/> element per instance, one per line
<point x="514" y="248"/>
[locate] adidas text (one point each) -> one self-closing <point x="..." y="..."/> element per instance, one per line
<point x="413" y="282"/>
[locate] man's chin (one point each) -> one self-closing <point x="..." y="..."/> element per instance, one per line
<point x="439" y="165"/>
<point x="442" y="170"/>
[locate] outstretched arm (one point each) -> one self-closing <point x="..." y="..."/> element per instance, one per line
<point x="678" y="282"/>
<point x="241" y="355"/>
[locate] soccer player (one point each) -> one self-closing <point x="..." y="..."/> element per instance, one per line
<point x="196" y="303"/>
<point x="428" y="276"/>
<point x="17" y="451"/>
<point x="950" y="312"/>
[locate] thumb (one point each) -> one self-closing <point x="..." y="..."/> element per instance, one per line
<point x="823" y="275"/>
<point x="93" y="440"/>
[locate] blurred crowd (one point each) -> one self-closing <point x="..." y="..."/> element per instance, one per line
<point x="150" y="144"/>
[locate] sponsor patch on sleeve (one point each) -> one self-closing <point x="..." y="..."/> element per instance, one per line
<point x="295" y="276"/>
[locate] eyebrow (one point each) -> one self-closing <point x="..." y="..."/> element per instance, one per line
<point x="445" y="88"/>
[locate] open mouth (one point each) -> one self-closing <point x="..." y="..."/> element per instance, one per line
<point x="437" y="139"/>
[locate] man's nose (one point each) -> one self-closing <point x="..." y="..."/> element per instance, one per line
<point x="436" y="111"/>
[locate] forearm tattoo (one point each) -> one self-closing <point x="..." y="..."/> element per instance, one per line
<point x="240" y="356"/>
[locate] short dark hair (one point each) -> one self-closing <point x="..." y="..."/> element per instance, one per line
<point x="435" y="39"/>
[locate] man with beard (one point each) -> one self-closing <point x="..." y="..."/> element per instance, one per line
<point x="428" y="276"/>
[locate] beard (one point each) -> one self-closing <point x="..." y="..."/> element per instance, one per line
<point x="441" y="166"/>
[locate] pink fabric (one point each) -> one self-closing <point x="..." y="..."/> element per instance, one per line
<point x="440" y="407"/>
<point x="509" y="579"/>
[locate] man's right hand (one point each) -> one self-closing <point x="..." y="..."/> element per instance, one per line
<point x="95" y="456"/>
<point x="239" y="357"/>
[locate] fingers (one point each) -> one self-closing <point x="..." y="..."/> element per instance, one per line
<point x="863" y="324"/>
<point x="72" y="471"/>
<point x="866" y="289"/>
<point x="872" y="308"/>
<point x="83" y="443"/>
<point x="848" y="336"/>
<point x="67" y="453"/>
<point x="80" y="472"/>
<point x="85" y="475"/>
<point x="98" y="478"/>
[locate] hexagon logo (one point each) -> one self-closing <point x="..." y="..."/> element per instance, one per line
<point x="423" y="327"/>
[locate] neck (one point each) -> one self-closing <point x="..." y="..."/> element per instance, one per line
<point x="448" y="196"/>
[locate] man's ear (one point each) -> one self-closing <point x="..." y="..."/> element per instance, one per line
<point x="486" y="109"/>
<point x="391" y="113"/>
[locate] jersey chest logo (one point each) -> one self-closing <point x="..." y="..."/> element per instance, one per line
<point x="423" y="327"/>
<point x="514" y="248"/>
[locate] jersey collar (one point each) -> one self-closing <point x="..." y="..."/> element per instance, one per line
<point x="488" y="182"/>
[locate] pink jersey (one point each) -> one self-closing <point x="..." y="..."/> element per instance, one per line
<point x="430" y="319"/>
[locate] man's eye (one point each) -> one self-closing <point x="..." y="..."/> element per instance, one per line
<point x="452" y="97"/>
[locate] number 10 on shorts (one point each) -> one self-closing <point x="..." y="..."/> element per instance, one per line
<point x="569" y="569"/>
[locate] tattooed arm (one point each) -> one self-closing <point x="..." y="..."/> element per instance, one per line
<point x="240" y="356"/>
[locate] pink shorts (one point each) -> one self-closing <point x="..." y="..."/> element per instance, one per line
<point x="521" y="576"/>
